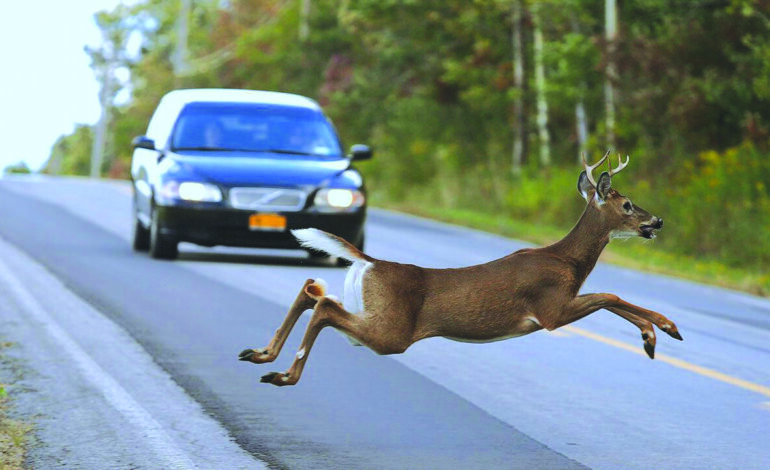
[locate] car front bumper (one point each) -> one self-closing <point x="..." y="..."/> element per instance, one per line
<point x="230" y="227"/>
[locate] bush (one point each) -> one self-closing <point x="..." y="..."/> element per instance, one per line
<point x="720" y="207"/>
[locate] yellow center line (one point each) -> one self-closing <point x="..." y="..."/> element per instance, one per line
<point x="700" y="370"/>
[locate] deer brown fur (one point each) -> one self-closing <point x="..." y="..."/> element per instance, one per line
<point x="388" y="306"/>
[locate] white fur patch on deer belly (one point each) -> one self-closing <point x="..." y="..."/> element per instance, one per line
<point x="487" y="340"/>
<point x="353" y="294"/>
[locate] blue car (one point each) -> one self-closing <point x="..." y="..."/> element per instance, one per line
<point x="242" y="168"/>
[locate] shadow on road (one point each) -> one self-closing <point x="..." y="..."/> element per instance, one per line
<point x="284" y="258"/>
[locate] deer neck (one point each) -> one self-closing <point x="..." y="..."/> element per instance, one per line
<point x="585" y="242"/>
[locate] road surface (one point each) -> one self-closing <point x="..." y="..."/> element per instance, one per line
<point x="127" y="362"/>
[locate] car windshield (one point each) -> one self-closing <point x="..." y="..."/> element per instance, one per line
<point x="258" y="128"/>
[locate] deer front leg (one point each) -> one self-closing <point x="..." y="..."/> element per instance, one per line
<point x="648" y="332"/>
<point x="306" y="299"/>
<point x="587" y="304"/>
<point x="659" y="320"/>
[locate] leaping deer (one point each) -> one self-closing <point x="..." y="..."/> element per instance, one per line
<point x="388" y="306"/>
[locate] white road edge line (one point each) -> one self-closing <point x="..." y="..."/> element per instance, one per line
<point x="170" y="456"/>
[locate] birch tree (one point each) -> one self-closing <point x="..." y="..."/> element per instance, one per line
<point x="542" y="102"/>
<point x="519" y="120"/>
<point x="611" y="20"/>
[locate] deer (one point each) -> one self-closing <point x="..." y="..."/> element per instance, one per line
<point x="388" y="306"/>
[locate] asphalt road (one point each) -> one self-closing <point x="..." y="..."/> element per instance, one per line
<point x="145" y="352"/>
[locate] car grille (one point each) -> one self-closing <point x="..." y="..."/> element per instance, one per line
<point x="268" y="199"/>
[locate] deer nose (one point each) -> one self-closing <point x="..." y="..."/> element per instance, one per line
<point x="657" y="223"/>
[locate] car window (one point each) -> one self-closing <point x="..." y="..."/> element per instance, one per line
<point x="256" y="128"/>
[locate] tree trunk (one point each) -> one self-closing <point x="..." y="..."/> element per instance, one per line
<point x="100" y="132"/>
<point x="611" y="22"/>
<point x="304" y="20"/>
<point x="581" y="124"/>
<point x="179" y="58"/>
<point x="542" y="102"/>
<point x="519" y="122"/>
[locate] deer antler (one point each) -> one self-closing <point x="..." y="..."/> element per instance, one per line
<point x="621" y="165"/>
<point x="590" y="168"/>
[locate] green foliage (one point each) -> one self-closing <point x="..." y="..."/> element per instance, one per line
<point x="429" y="84"/>
<point x="71" y="154"/>
<point x="18" y="168"/>
<point x="719" y="206"/>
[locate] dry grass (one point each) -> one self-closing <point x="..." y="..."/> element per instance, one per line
<point x="13" y="433"/>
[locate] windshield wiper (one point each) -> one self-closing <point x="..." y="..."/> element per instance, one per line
<point x="284" y="151"/>
<point x="208" y="149"/>
<point x="223" y="149"/>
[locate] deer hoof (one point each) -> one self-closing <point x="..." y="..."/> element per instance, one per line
<point x="277" y="378"/>
<point x="650" y="350"/>
<point x="672" y="331"/>
<point x="257" y="356"/>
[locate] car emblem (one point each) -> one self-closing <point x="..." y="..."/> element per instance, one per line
<point x="268" y="199"/>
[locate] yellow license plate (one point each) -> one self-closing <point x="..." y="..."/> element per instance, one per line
<point x="272" y="222"/>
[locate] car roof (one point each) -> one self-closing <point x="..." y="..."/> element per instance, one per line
<point x="228" y="95"/>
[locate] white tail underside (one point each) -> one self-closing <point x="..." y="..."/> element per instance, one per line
<point x="319" y="240"/>
<point x="352" y="298"/>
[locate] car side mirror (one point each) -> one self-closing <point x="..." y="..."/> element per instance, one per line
<point x="360" y="152"/>
<point x="143" y="142"/>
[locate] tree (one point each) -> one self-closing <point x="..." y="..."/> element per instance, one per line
<point x="540" y="87"/>
<point x="71" y="154"/>
<point x="17" y="168"/>
<point x="611" y="31"/>
<point x="519" y="84"/>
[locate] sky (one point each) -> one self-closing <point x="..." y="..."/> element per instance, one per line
<point x="46" y="83"/>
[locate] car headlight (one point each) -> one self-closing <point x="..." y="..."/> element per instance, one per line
<point x="192" y="191"/>
<point x="338" y="200"/>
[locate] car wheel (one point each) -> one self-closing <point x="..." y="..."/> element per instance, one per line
<point x="141" y="236"/>
<point x="161" y="247"/>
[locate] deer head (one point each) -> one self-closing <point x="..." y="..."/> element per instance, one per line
<point x="623" y="218"/>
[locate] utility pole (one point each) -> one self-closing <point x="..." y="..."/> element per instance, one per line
<point x="611" y="32"/>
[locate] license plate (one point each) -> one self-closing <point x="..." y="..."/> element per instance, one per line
<point x="270" y="222"/>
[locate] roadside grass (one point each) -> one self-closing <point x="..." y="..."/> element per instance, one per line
<point x="13" y="433"/>
<point x="632" y="253"/>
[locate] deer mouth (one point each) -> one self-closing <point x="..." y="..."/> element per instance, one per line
<point x="648" y="230"/>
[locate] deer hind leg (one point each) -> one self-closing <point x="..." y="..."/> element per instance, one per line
<point x="328" y="312"/>
<point x="307" y="298"/>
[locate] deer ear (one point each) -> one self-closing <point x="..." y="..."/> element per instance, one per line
<point x="604" y="185"/>
<point x="584" y="186"/>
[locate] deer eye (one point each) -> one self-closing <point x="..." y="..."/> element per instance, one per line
<point x="627" y="206"/>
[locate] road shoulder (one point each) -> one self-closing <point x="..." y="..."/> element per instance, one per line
<point x="116" y="408"/>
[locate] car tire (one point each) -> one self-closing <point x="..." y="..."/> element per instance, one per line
<point x="141" y="238"/>
<point x="141" y="235"/>
<point x="161" y="246"/>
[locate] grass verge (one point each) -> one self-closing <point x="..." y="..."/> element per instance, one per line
<point x="13" y="433"/>
<point x="637" y="254"/>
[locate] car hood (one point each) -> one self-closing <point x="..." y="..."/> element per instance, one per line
<point x="248" y="169"/>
